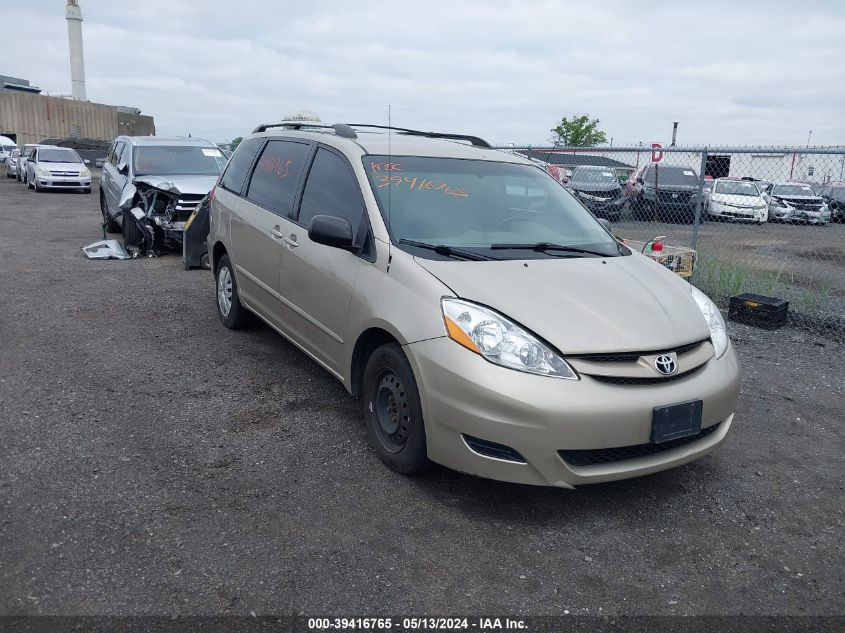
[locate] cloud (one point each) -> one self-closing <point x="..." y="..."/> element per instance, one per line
<point x="729" y="72"/>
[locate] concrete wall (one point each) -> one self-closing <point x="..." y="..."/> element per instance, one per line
<point x="33" y="117"/>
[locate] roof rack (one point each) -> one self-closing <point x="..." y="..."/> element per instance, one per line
<point x="474" y="140"/>
<point x="339" y="128"/>
<point x="346" y="130"/>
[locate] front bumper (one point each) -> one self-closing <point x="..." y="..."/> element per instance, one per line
<point x="739" y="213"/>
<point x="464" y="395"/>
<point x="790" y="214"/>
<point x="64" y="182"/>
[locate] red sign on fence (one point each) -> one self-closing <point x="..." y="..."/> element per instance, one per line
<point x="656" y="153"/>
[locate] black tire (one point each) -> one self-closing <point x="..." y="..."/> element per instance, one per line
<point x="393" y="412"/>
<point x="111" y="226"/>
<point x="237" y="316"/>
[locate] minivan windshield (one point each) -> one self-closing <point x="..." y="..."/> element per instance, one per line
<point x="182" y="160"/>
<point x="737" y="188"/>
<point x="501" y="210"/>
<point x="668" y="175"/>
<point x="47" y="155"/>
<point x="593" y="176"/>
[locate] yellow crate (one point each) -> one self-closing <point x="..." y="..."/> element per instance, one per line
<point x="678" y="259"/>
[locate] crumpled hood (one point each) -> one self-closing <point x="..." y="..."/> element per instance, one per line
<point x="585" y="305"/>
<point x="200" y="185"/>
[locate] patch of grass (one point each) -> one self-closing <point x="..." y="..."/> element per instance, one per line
<point x="722" y="280"/>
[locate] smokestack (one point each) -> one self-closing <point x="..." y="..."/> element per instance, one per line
<point x="77" y="57"/>
<point x="674" y="132"/>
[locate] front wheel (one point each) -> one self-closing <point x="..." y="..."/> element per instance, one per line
<point x="229" y="308"/>
<point x="110" y="224"/>
<point x="393" y="412"/>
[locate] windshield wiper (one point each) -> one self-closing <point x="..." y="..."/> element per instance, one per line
<point x="449" y="251"/>
<point x="547" y="246"/>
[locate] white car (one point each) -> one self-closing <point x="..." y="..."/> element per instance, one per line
<point x="26" y="150"/>
<point x="57" y="168"/>
<point x="12" y="163"/>
<point x="737" y="199"/>
<point x="797" y="202"/>
<point x="7" y="146"/>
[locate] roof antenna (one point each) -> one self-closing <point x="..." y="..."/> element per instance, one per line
<point x="389" y="187"/>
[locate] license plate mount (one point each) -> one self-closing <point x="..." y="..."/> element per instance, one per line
<point x="676" y="421"/>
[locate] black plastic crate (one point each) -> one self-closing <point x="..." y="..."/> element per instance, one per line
<point x="766" y="312"/>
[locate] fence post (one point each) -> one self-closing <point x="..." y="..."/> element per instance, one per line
<point x="699" y="199"/>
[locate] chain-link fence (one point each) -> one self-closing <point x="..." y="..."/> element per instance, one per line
<point x="762" y="220"/>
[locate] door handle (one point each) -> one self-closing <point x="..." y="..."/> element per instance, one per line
<point x="291" y="240"/>
<point x="277" y="232"/>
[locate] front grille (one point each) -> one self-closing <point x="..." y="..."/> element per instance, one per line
<point x="656" y="380"/>
<point x="64" y="173"/>
<point x="633" y="357"/>
<point x="595" y="457"/>
<point x="683" y="197"/>
<point x="186" y="203"/>
<point x="806" y="206"/>
<point x="492" y="449"/>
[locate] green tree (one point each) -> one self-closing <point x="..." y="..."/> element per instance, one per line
<point x="235" y="142"/>
<point x="578" y="131"/>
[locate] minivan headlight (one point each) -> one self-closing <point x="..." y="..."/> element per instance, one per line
<point x="718" y="332"/>
<point x="500" y="340"/>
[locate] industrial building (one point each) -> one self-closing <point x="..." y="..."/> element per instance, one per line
<point x="26" y="116"/>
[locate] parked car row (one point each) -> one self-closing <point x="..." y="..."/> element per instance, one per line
<point x="43" y="167"/>
<point x="670" y="193"/>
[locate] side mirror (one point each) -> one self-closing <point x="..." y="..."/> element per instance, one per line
<point x="123" y="168"/>
<point x="331" y="230"/>
<point x="605" y="223"/>
<point x="86" y="161"/>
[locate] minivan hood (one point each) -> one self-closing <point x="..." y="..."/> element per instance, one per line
<point x="585" y="305"/>
<point x="183" y="184"/>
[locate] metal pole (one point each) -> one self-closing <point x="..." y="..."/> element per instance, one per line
<point x="698" y="200"/>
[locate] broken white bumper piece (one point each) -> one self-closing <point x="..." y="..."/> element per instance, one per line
<point x="106" y="249"/>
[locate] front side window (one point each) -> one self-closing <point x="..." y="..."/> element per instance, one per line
<point x="276" y="175"/>
<point x="182" y="160"/>
<point x="331" y="189"/>
<point x="239" y="164"/>
<point x="484" y="206"/>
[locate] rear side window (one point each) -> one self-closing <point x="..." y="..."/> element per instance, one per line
<point x="274" y="181"/>
<point x="332" y="189"/>
<point x="239" y="164"/>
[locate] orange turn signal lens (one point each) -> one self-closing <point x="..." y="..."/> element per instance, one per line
<point x="459" y="336"/>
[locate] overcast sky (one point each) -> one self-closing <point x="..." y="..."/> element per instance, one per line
<point x="732" y="72"/>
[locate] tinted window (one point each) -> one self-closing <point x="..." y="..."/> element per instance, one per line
<point x="667" y="175"/>
<point x="239" y="164"/>
<point x="332" y="189"/>
<point x="276" y="176"/>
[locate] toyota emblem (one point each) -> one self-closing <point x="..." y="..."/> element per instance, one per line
<point x="674" y="195"/>
<point x="665" y="365"/>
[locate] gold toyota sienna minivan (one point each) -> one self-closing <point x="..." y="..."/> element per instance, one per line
<point x="486" y="319"/>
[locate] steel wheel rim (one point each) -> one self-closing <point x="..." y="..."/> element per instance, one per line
<point x="393" y="412"/>
<point x="224" y="291"/>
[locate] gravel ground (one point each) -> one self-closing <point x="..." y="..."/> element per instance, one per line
<point x="152" y="462"/>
